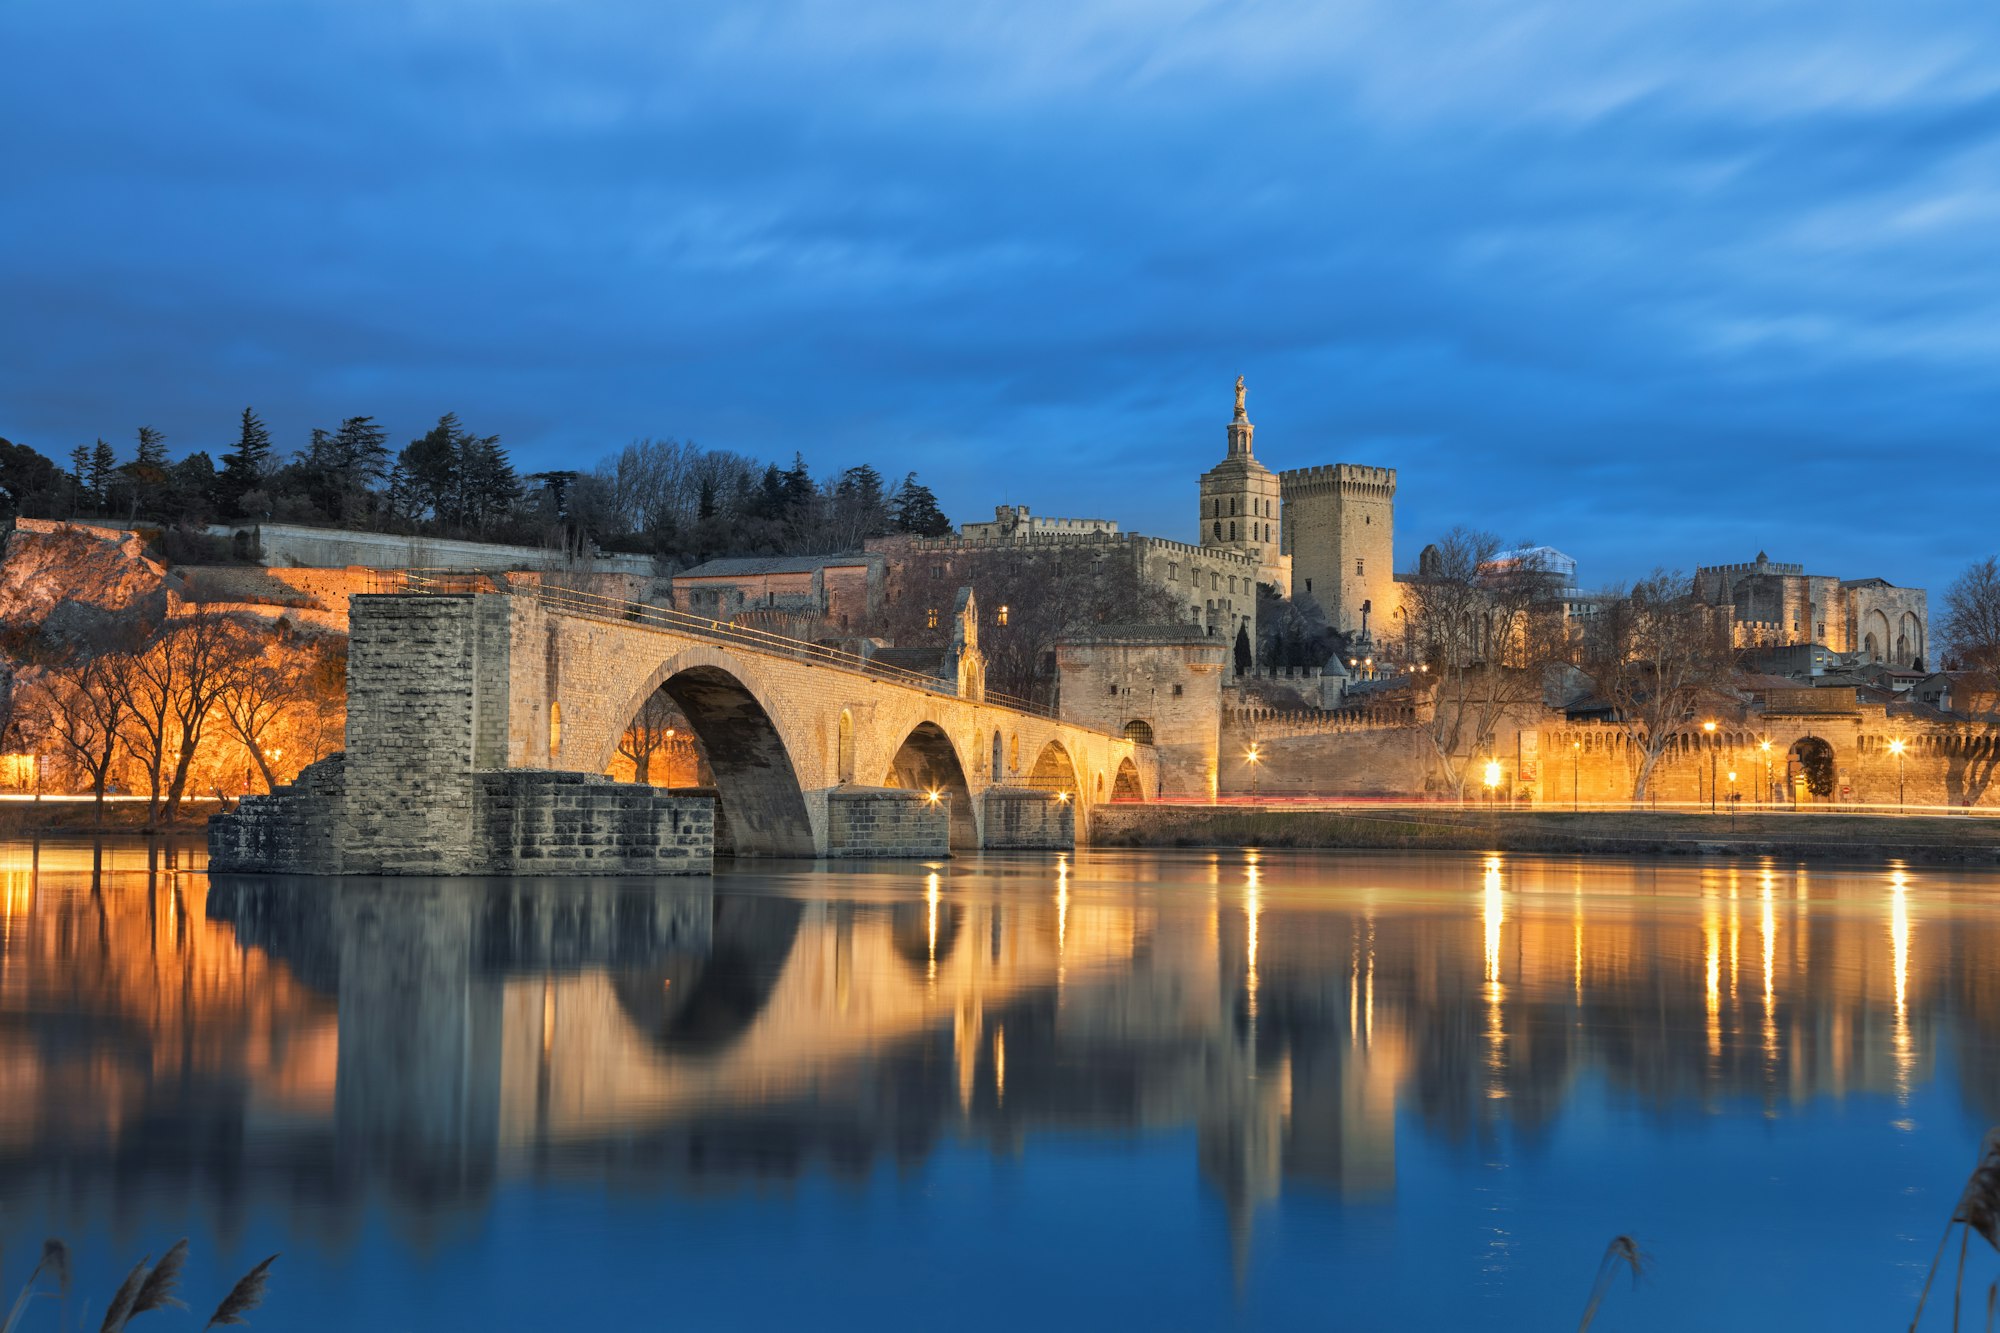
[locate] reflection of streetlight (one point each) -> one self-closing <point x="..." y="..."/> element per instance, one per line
<point x="1896" y="748"/>
<point x="1709" y="727"/>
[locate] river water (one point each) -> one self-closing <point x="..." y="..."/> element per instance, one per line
<point x="1165" y="1090"/>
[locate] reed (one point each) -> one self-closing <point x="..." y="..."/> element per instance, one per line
<point x="244" y="1297"/>
<point x="1622" y="1249"/>
<point x="149" y="1286"/>
<point x="1978" y="1210"/>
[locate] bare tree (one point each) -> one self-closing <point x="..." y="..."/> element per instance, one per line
<point x="81" y="702"/>
<point x="655" y="725"/>
<point x="183" y="671"/>
<point x="259" y="690"/>
<point x="1028" y="599"/>
<point x="1971" y="628"/>
<point x="1483" y="628"/>
<point x="1661" y="658"/>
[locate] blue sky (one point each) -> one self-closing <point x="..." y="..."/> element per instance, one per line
<point x="1659" y="283"/>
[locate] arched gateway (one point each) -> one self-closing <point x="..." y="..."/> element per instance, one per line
<point x="453" y="765"/>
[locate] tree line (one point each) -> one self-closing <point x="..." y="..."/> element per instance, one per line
<point x="656" y="497"/>
<point x="196" y="703"/>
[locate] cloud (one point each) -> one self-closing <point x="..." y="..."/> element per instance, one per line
<point x="1650" y="281"/>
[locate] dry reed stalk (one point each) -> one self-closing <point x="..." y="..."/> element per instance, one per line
<point x="128" y="1292"/>
<point x="244" y="1297"/>
<point x="157" y="1292"/>
<point x="1978" y="1210"/>
<point x="1621" y="1248"/>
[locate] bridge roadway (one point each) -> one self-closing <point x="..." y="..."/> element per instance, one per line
<point x="814" y="751"/>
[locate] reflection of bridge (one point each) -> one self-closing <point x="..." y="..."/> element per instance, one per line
<point x="431" y="1038"/>
<point x="464" y="706"/>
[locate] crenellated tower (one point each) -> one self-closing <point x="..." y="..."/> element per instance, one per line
<point x="1240" y="504"/>
<point x="1340" y="533"/>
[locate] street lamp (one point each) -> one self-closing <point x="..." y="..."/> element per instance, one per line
<point x="1709" y="727"/>
<point x="1765" y="746"/>
<point x="1252" y="758"/>
<point x="1732" y="798"/>
<point x="1492" y="775"/>
<point x="1896" y="748"/>
<point x="1576" y="775"/>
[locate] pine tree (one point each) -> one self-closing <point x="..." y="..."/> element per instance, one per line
<point x="916" y="510"/>
<point x="79" y="470"/>
<point x="245" y="468"/>
<point x="103" y="466"/>
<point x="152" y="449"/>
<point x="1244" y="660"/>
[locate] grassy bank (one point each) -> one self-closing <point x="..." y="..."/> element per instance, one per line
<point x="1828" y="837"/>
<point x="20" y="818"/>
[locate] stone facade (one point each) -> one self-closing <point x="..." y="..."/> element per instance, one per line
<point x="1217" y="584"/>
<point x="1014" y="522"/>
<point x="1340" y="531"/>
<point x="1778" y="605"/>
<point x="838" y="592"/>
<point x="886" y="821"/>
<point x="1240" y="504"/>
<point x="1159" y="685"/>
<point x="1024" y="819"/>
<point x="281" y="544"/>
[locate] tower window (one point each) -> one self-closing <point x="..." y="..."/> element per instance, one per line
<point x="1232" y="505"/>
<point x="1309" y="585"/>
<point x="1177" y="691"/>
<point x="1359" y="568"/>
<point x="1001" y="619"/>
<point x="1232" y="532"/>
<point x="931" y="618"/>
<point x="1218" y="532"/>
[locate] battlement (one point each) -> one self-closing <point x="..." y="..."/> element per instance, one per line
<point x="1083" y="539"/>
<point x="1348" y="478"/>
<point x="1752" y="567"/>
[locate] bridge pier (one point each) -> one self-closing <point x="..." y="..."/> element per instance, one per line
<point x="424" y="787"/>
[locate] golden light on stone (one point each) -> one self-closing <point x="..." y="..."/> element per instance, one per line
<point x="1493" y="773"/>
<point x="1896" y="748"/>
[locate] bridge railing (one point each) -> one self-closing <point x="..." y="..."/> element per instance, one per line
<point x="575" y="601"/>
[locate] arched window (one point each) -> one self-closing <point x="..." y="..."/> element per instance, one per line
<point x="1139" y="731"/>
<point x="555" y="730"/>
<point x="1232" y="532"/>
<point x="844" y="755"/>
<point x="998" y="770"/>
<point x="1218" y="532"/>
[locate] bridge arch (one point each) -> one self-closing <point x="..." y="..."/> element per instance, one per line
<point x="927" y="761"/>
<point x="1055" y="771"/>
<point x="1127" y="787"/>
<point x="760" y="802"/>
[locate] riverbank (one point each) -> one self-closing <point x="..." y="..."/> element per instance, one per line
<point x="1620" y="833"/>
<point x="25" y="818"/>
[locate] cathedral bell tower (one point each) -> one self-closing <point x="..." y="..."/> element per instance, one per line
<point x="1240" y="504"/>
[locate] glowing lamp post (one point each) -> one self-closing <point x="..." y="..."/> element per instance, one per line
<point x="1896" y="748"/>
<point x="1709" y="727"/>
<point x="1576" y="775"/>
<point x="1492" y="776"/>
<point x="1732" y="798"/>
<point x="1252" y="758"/>
<point x="1765" y="746"/>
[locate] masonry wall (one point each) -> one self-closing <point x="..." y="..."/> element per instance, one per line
<point x="539" y="822"/>
<point x="1381" y="761"/>
<point x="1339" y="526"/>
<point x="886" y="822"/>
<point x="292" y="544"/>
<point x="1024" y="819"/>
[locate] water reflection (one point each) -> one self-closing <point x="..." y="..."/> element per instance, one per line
<point x="314" y="1044"/>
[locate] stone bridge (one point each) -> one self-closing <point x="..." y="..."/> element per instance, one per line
<point x="480" y="725"/>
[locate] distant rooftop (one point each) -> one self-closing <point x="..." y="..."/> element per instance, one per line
<point x="738" y="566"/>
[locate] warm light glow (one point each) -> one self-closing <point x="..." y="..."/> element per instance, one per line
<point x="1765" y="746"/>
<point x="931" y="895"/>
<point x="1896" y="748"/>
<point x="1732" y="776"/>
<point x="933" y="795"/>
<point x="1494" y="911"/>
<point x="1252" y="754"/>
<point x="1708" y="726"/>
<point x="1063" y="796"/>
<point x="1493" y="772"/>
